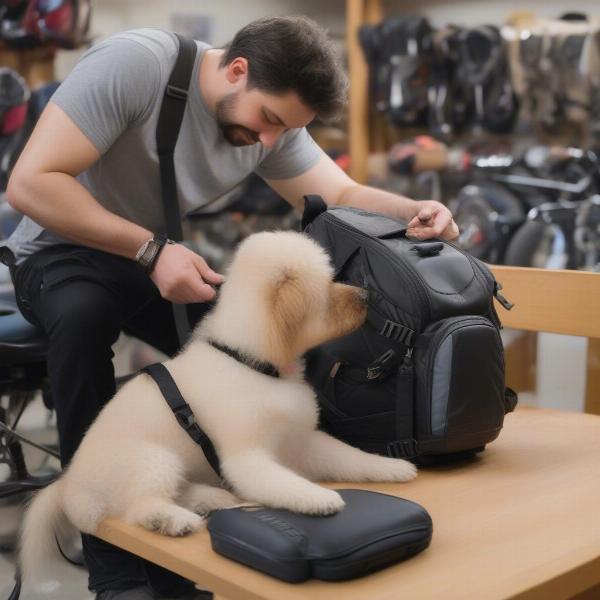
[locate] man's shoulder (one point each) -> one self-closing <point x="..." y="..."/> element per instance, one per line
<point x="161" y="43"/>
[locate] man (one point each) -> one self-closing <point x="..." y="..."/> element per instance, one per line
<point x="88" y="183"/>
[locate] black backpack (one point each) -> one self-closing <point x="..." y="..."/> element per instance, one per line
<point x="423" y="378"/>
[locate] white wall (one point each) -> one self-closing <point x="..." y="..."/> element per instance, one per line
<point x="110" y="16"/>
<point x="227" y="16"/>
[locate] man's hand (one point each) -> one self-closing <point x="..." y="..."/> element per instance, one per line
<point x="183" y="277"/>
<point x="433" y="219"/>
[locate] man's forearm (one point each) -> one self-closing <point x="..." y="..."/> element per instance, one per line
<point x="58" y="202"/>
<point x="375" y="200"/>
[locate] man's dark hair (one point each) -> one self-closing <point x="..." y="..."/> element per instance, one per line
<point x="291" y="53"/>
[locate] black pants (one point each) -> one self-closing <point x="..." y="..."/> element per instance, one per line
<point x="83" y="298"/>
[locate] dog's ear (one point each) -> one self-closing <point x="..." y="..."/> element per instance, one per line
<point x="289" y="312"/>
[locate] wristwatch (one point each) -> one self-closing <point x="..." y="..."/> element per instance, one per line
<point x="150" y="250"/>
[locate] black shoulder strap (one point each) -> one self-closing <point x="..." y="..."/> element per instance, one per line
<point x="167" y="131"/>
<point x="182" y="411"/>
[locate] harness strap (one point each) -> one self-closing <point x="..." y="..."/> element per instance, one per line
<point x="183" y="413"/>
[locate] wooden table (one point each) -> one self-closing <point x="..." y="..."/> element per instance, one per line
<point x="521" y="521"/>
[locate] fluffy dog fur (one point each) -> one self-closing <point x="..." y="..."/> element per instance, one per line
<point x="136" y="463"/>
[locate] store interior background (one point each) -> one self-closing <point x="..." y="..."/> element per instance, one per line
<point x="561" y="360"/>
<point x="561" y="364"/>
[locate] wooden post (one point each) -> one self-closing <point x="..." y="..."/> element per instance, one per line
<point x="521" y="362"/>
<point x="592" y="384"/>
<point x="377" y="135"/>
<point x="358" y="101"/>
<point x="35" y="65"/>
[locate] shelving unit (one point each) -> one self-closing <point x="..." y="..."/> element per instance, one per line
<point x="36" y="65"/>
<point x="365" y="132"/>
<point x="359" y="12"/>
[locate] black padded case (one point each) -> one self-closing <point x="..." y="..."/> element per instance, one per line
<point x="372" y="532"/>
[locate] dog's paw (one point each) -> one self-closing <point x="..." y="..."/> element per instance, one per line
<point x="174" y="521"/>
<point x="402" y="470"/>
<point x="324" y="502"/>
<point x="203" y="499"/>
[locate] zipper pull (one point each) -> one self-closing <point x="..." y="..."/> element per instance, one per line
<point x="376" y="368"/>
<point x="335" y="369"/>
<point x="407" y="359"/>
<point x="505" y="303"/>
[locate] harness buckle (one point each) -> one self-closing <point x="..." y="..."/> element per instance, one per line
<point x="185" y="417"/>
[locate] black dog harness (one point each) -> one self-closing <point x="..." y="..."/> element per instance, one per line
<point x="182" y="410"/>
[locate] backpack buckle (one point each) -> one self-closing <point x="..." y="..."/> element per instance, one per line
<point x="507" y="304"/>
<point x="397" y="332"/>
<point x="402" y="448"/>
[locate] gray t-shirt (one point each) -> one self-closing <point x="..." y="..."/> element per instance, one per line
<point x="114" y="95"/>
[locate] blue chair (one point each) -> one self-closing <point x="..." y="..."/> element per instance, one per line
<point x="23" y="374"/>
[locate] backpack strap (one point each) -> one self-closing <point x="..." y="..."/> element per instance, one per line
<point x="167" y="131"/>
<point x="183" y="413"/>
<point x="510" y="400"/>
<point x="314" y="205"/>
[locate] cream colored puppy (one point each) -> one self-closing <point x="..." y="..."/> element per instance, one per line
<point x="137" y="464"/>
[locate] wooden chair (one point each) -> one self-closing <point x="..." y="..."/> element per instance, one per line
<point x="566" y="302"/>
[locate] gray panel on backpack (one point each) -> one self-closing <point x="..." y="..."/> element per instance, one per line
<point x="442" y="373"/>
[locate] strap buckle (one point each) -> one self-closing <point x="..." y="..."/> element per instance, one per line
<point x="375" y="369"/>
<point x="397" y="332"/>
<point x="403" y="448"/>
<point x="176" y="92"/>
<point x="507" y="304"/>
<point x="185" y="417"/>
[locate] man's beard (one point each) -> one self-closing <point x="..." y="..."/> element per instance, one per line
<point x="235" y="134"/>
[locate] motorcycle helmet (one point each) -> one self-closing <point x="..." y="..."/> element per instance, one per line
<point x="64" y="23"/>
<point x="14" y="97"/>
<point x="486" y="214"/>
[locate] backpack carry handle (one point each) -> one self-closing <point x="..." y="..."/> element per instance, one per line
<point x="314" y="205"/>
<point x="428" y="248"/>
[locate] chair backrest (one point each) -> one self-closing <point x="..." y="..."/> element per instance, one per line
<point x="555" y="301"/>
